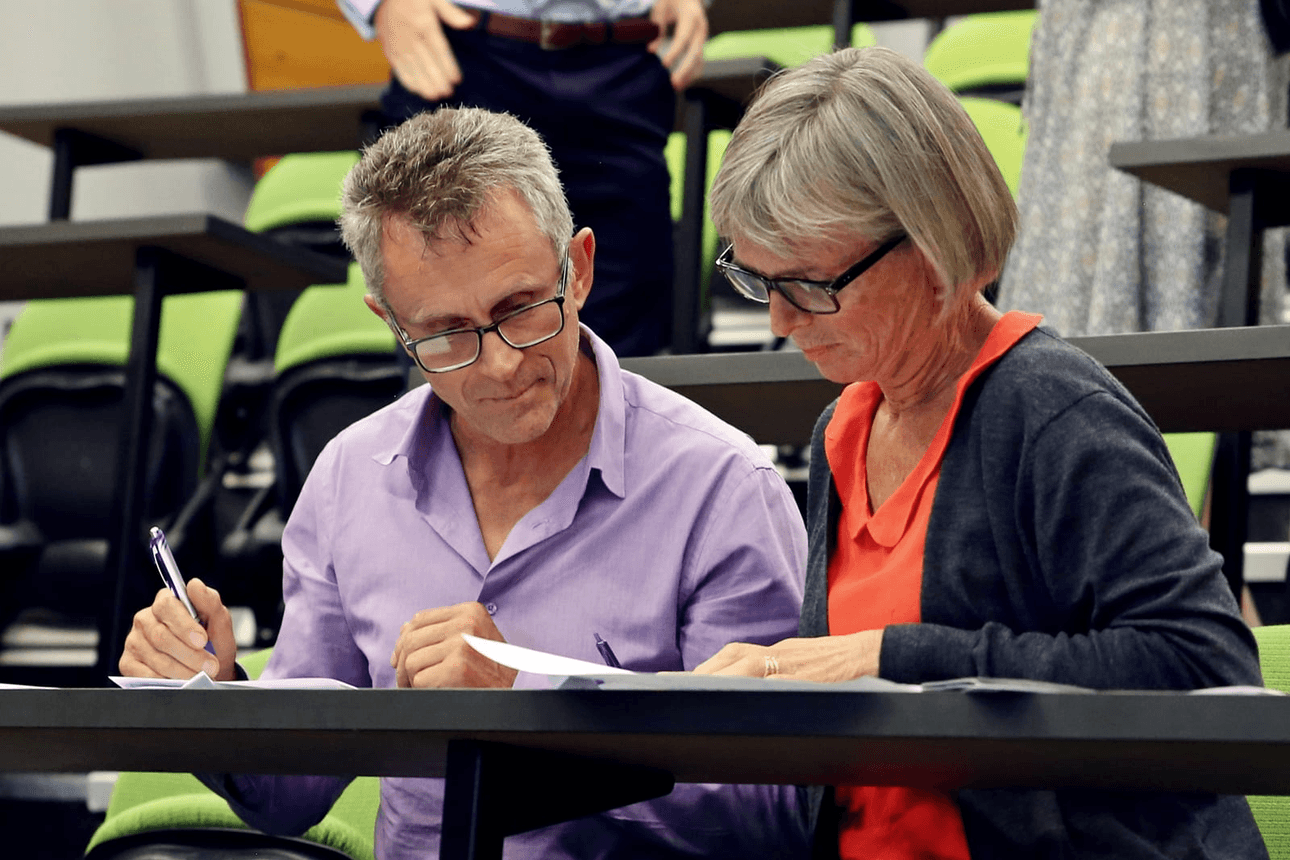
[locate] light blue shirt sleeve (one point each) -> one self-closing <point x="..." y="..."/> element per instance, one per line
<point x="359" y="13"/>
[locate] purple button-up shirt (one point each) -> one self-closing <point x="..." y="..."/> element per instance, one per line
<point x="673" y="536"/>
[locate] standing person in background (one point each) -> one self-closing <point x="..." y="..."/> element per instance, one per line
<point x="1098" y="250"/>
<point x="596" y="79"/>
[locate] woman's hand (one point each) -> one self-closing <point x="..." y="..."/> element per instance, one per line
<point x="824" y="658"/>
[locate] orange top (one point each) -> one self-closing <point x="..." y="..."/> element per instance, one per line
<point x="875" y="579"/>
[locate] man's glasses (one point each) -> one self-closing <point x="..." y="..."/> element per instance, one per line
<point x="521" y="328"/>
<point x="812" y="297"/>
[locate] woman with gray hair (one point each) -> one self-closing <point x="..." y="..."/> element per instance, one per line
<point x="985" y="499"/>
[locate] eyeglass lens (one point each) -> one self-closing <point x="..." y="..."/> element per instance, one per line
<point x="803" y="296"/>
<point x="527" y="327"/>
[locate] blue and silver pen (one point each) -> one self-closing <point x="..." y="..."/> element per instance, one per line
<point x="606" y="653"/>
<point x="169" y="570"/>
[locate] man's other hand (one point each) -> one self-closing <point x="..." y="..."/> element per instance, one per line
<point x="166" y="642"/>
<point x="431" y="653"/>
<point x="686" y="23"/>
<point x="410" y="33"/>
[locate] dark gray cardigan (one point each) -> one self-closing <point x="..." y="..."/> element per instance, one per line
<point x="1061" y="548"/>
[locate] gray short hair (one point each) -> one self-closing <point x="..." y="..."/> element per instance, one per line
<point x="438" y="170"/>
<point x="866" y="141"/>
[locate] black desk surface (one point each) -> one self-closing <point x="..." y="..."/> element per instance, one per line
<point x="238" y="126"/>
<point x="1212" y="379"/>
<point x="748" y="14"/>
<point x="97" y="258"/>
<point x="946" y="740"/>
<point x="250" y="125"/>
<point x="1198" y="168"/>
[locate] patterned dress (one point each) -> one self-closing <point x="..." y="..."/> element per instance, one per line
<point x="1100" y="252"/>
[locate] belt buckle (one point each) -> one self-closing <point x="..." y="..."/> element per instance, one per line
<point x="547" y="35"/>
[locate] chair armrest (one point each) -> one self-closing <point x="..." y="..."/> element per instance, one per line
<point x="201" y="499"/>
<point x="20" y="535"/>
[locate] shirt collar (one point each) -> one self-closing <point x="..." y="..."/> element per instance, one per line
<point x="608" y="451"/>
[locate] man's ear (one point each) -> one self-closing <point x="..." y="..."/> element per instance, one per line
<point x="582" y="258"/>
<point x="376" y="308"/>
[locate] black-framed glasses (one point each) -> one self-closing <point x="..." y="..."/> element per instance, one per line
<point x="521" y="328"/>
<point x="812" y="297"/>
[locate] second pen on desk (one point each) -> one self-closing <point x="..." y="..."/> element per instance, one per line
<point x="606" y="653"/>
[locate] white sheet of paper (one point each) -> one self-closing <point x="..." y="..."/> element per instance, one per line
<point x="24" y="687"/>
<point x="203" y="681"/>
<point x="537" y="662"/>
<point x="711" y="683"/>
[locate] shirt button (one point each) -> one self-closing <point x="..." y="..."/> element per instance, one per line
<point x="491" y="607"/>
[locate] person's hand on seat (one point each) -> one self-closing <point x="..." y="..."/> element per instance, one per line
<point x="411" y="35"/>
<point x="166" y="642"/>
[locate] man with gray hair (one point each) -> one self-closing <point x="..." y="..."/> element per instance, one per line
<point x="532" y="492"/>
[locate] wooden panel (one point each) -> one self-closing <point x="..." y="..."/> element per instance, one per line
<point x="293" y="44"/>
<point x="325" y="8"/>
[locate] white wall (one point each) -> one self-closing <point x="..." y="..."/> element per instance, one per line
<point x="904" y="37"/>
<point x="80" y="50"/>
<point x="55" y="51"/>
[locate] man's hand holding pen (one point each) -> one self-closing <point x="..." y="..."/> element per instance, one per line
<point x="166" y="642"/>
<point x="431" y="653"/>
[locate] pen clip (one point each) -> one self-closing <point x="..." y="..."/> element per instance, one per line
<point x="606" y="653"/>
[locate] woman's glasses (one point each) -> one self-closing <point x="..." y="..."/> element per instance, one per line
<point x="812" y="297"/>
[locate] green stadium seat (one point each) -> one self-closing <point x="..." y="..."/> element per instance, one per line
<point x="1273" y="812"/>
<point x="1004" y="132"/>
<point x="788" y="46"/>
<point x="303" y="188"/>
<point x="1193" y="455"/>
<point x="61" y="389"/>
<point x="983" y="54"/>
<point x="336" y="362"/>
<point x="175" y="813"/>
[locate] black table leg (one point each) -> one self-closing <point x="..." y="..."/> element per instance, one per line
<point x="1243" y="268"/>
<point x="60" y="193"/>
<point x="136" y="410"/>
<point x="371" y="124"/>
<point x="1230" y="505"/>
<point x="687" y="280"/>
<point x="1238" y="306"/>
<point x="155" y="269"/>
<point x="73" y="149"/>
<point x="844" y="19"/>
<point x="495" y="790"/>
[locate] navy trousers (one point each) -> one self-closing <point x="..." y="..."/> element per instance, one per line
<point x="605" y="111"/>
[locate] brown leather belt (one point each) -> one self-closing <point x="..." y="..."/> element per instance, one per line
<point x="558" y="35"/>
